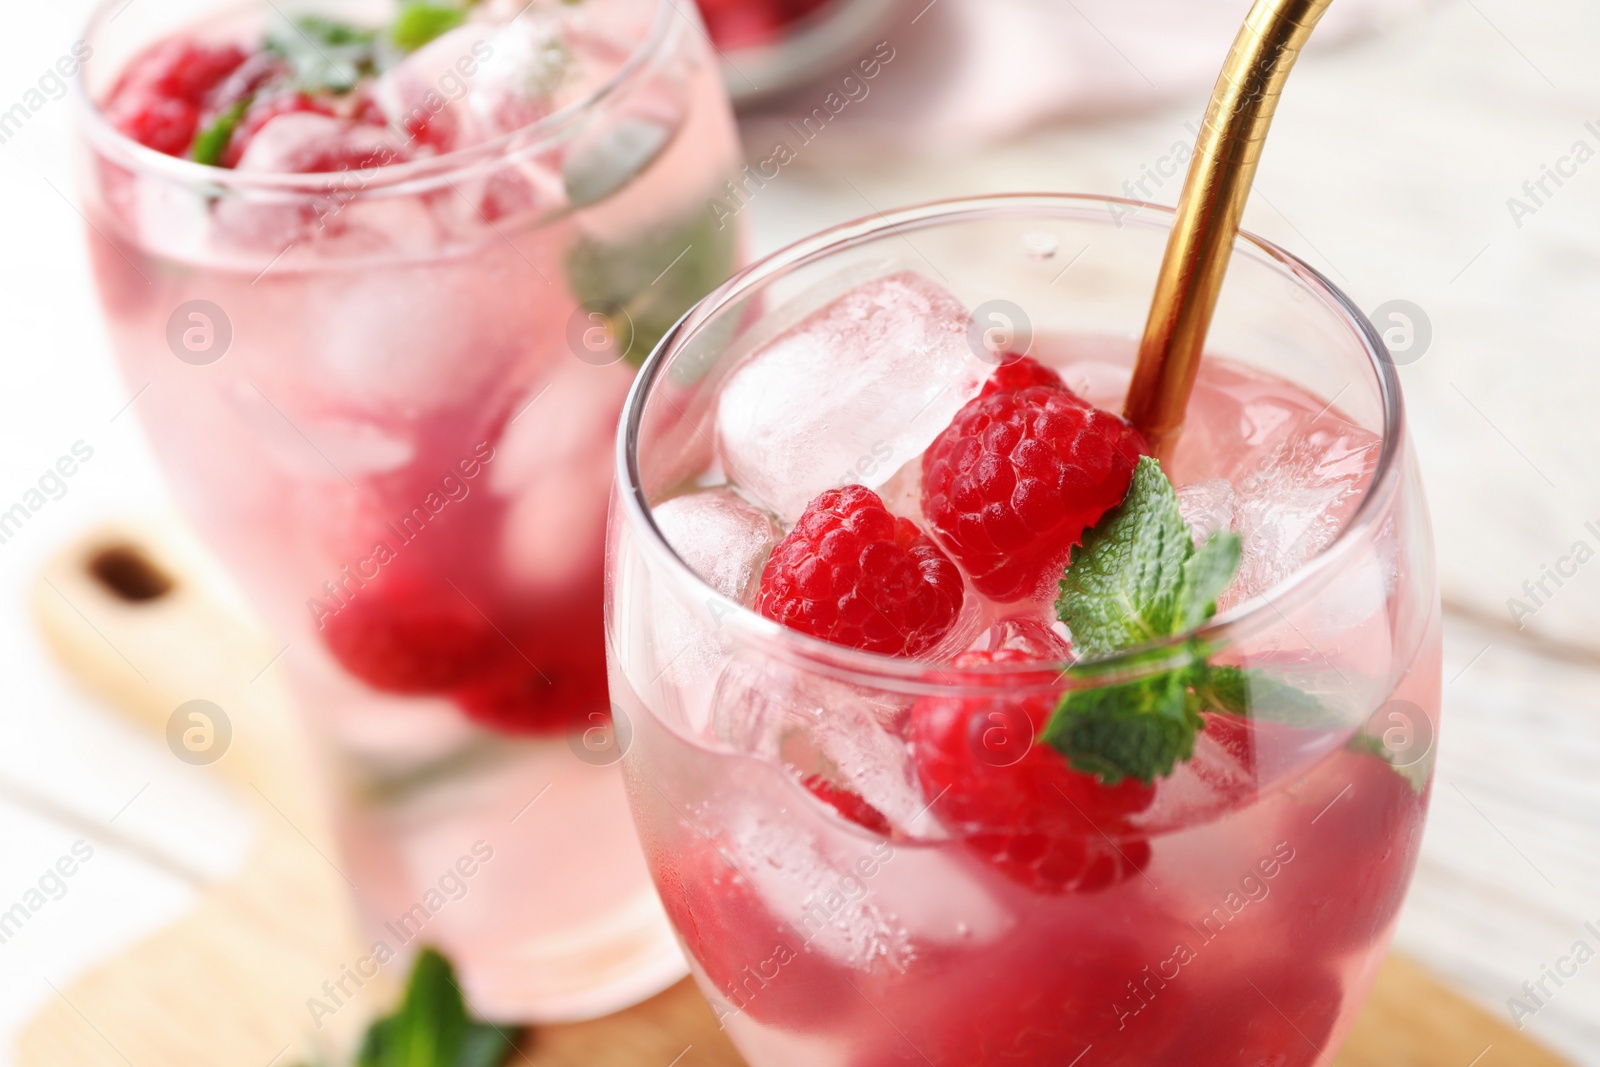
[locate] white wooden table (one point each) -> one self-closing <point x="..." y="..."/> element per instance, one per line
<point x="1391" y="168"/>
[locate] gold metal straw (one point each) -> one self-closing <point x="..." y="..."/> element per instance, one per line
<point x="1214" y="194"/>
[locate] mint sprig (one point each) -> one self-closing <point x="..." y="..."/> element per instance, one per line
<point x="212" y="142"/>
<point x="431" y="1028"/>
<point x="1137" y="578"/>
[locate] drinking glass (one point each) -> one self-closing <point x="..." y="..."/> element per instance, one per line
<point x="1240" y="917"/>
<point x="385" y="397"/>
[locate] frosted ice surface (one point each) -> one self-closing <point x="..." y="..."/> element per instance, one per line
<point x="389" y="343"/>
<point x="475" y="82"/>
<point x="850" y="394"/>
<point x="340" y="221"/>
<point x="854" y="731"/>
<point x="880" y="913"/>
<point x="723" y="538"/>
<point x="1208" y="507"/>
<point x="313" y="447"/>
<point x="819" y="725"/>
<point x="1297" y="493"/>
<point x="303" y="141"/>
<point x="812" y="884"/>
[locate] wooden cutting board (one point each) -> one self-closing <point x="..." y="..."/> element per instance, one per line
<point x="128" y="610"/>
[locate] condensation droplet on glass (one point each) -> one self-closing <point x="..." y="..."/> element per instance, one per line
<point x="1040" y="245"/>
<point x="963" y="930"/>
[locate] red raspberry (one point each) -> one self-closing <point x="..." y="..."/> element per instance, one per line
<point x="852" y="806"/>
<point x="740" y="23"/>
<point x="516" y="696"/>
<point x="410" y="632"/>
<point x="1012" y="483"/>
<point x="554" y="678"/>
<point x="164" y="124"/>
<point x="851" y="573"/>
<point x="1038" y="820"/>
<point x="751" y="23"/>
<point x="1019" y="372"/>
<point x="159" y="97"/>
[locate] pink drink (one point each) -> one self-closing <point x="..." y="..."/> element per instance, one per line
<point x="386" y="396"/>
<point x="842" y="902"/>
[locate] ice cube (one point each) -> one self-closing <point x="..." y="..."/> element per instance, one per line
<point x="750" y="708"/>
<point x="723" y="538"/>
<point x="811" y="883"/>
<point x="811" y="874"/>
<point x="340" y="217"/>
<point x="1295" y="494"/>
<point x="523" y="66"/>
<point x="433" y="94"/>
<point x="850" y="394"/>
<point x="316" y="446"/>
<point x="861" y="904"/>
<point x="1038" y="637"/>
<point x="854" y="732"/>
<point x="857" y="903"/>
<point x="849" y="734"/>
<point x="308" y="142"/>
<point x="393" y="344"/>
<point x="554" y="454"/>
<point x="171" y="219"/>
<point x="1208" y="507"/>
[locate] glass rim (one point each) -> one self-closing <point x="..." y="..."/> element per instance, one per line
<point x="99" y="131"/>
<point x="877" y="668"/>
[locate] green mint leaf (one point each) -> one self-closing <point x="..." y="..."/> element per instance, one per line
<point x="211" y="142"/>
<point x="648" y="283"/>
<point x="1265" y="696"/>
<point x="420" y="22"/>
<point x="1137" y="730"/>
<point x="1138" y="578"/>
<point x="431" y="1028"/>
<point x="1254" y="693"/>
<point x="1206" y="575"/>
<point x="1415" y="773"/>
<point x="486" y="1045"/>
<point x="326" y="55"/>
<point x="1124" y="586"/>
<point x="599" y="165"/>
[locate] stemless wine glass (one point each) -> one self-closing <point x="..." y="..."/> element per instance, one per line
<point x="385" y="396"/>
<point x="837" y="910"/>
